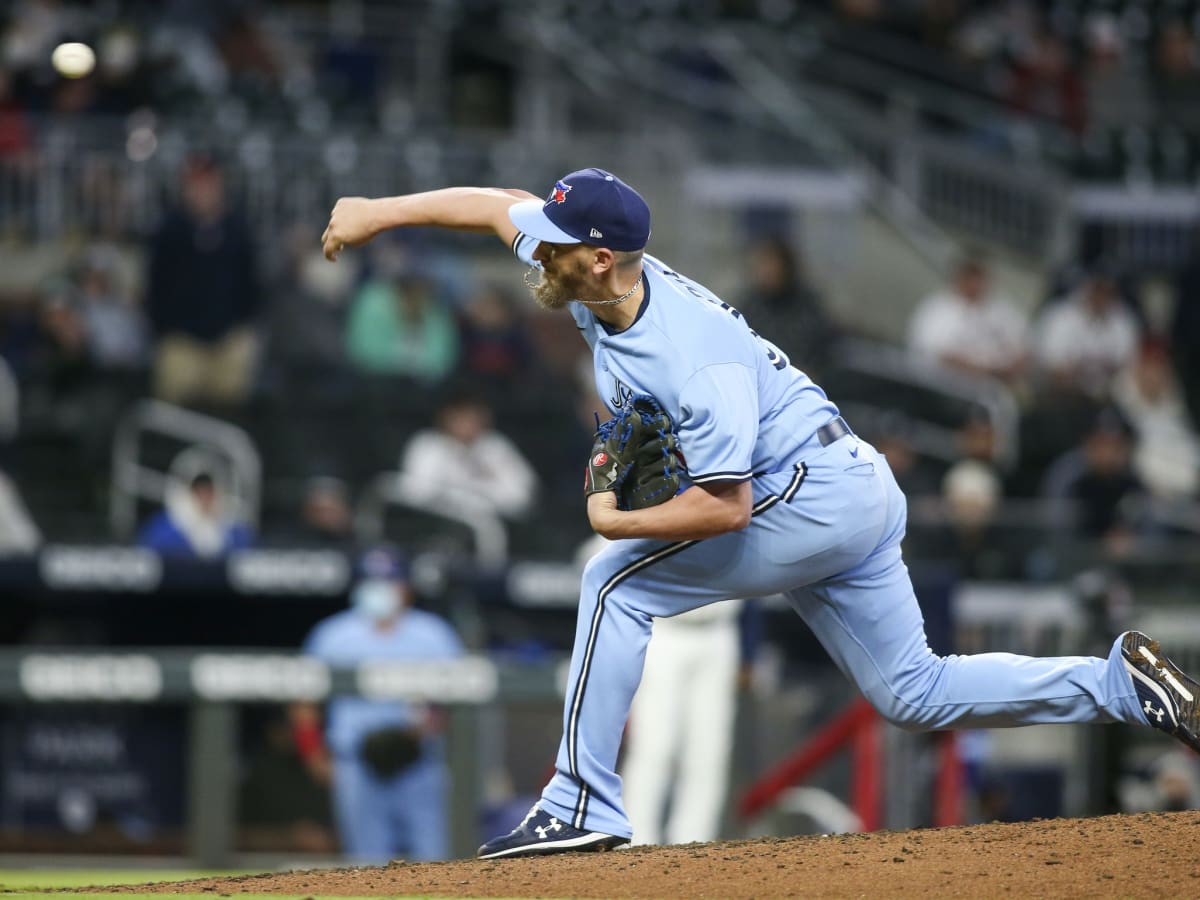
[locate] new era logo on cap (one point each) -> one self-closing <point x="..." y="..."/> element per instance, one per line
<point x="587" y="207"/>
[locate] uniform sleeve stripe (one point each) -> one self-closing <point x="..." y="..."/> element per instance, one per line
<point x="721" y="476"/>
<point x="516" y="240"/>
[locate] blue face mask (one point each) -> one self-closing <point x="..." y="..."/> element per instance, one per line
<point x="377" y="600"/>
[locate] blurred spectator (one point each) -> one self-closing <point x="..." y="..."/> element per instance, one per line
<point x="1167" y="454"/>
<point x="62" y="358"/>
<point x="390" y="784"/>
<point x="116" y="333"/>
<point x="16" y="138"/>
<point x="989" y="31"/>
<point x="893" y="436"/>
<point x="326" y="519"/>
<point x="967" y="327"/>
<point x="971" y="497"/>
<point x="1087" y="337"/>
<point x="1045" y="85"/>
<point x="1117" y="92"/>
<point x="202" y="294"/>
<point x="1098" y="478"/>
<point x="860" y="11"/>
<point x="195" y="521"/>
<point x="464" y="456"/>
<point x="495" y="342"/>
<point x="1185" y="331"/>
<point x="249" y="60"/>
<point x="1177" y="782"/>
<point x="1177" y="80"/>
<point x="307" y="315"/>
<point x="398" y="327"/>
<point x="785" y="309"/>
<point x="977" y="438"/>
<point x="281" y="805"/>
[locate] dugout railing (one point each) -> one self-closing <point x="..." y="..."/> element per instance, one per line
<point x="214" y="682"/>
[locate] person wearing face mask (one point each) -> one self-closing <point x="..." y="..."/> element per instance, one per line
<point x="382" y="758"/>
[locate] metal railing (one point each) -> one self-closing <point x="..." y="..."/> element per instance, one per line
<point x="222" y="444"/>
<point x="905" y="372"/>
<point x="395" y="489"/>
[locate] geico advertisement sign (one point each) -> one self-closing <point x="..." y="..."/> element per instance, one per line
<point x="241" y="677"/>
<point x="100" y="568"/>
<point x="288" y="571"/>
<point x="99" y="677"/>
<point x="467" y="680"/>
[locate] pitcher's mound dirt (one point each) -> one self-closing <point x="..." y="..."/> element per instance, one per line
<point x="1150" y="855"/>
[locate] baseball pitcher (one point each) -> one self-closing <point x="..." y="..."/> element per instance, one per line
<point x="746" y="482"/>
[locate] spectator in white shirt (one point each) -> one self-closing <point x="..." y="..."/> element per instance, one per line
<point x="966" y="326"/>
<point x="1166" y="456"/>
<point x="462" y="454"/>
<point x="1087" y="337"/>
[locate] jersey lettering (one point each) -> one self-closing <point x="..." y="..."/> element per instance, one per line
<point x="621" y="394"/>
<point x="776" y="356"/>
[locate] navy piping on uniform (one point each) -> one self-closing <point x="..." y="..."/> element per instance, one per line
<point x="721" y="476"/>
<point x="585" y="670"/>
<point x="797" y="480"/>
<point x="788" y="493"/>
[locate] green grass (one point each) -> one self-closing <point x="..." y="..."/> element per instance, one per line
<point x="39" y="879"/>
<point x="34" y="883"/>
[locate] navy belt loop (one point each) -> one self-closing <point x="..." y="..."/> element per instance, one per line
<point x="833" y="430"/>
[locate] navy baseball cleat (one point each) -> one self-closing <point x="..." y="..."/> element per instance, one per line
<point x="1170" y="699"/>
<point x="541" y="832"/>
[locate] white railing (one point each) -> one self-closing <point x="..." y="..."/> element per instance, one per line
<point x="134" y="479"/>
<point x="936" y="439"/>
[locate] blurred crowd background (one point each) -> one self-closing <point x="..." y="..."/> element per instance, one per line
<point x="974" y="223"/>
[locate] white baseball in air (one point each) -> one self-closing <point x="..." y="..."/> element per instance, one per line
<point x="73" y="60"/>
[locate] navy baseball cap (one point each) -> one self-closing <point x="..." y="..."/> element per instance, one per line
<point x="382" y="564"/>
<point x="590" y="206"/>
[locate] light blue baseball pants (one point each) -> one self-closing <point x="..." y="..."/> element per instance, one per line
<point x="827" y="534"/>
<point x="380" y="819"/>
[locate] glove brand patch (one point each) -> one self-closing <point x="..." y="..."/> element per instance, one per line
<point x="636" y="454"/>
<point x="559" y="194"/>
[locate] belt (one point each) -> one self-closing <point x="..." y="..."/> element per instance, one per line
<point x="833" y="430"/>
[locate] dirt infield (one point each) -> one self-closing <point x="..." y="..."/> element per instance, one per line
<point x="1151" y="855"/>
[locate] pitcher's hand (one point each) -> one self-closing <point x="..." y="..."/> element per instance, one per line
<point x="350" y="224"/>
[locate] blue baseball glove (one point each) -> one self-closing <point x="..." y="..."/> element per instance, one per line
<point x="635" y="454"/>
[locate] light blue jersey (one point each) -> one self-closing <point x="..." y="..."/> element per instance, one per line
<point x="380" y="818"/>
<point x="739" y="406"/>
<point x="825" y="531"/>
<point x="348" y="638"/>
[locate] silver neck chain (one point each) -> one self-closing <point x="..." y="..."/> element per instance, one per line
<point x="625" y="296"/>
<point x="533" y="273"/>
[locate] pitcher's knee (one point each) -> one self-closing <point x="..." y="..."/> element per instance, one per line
<point x="907" y="705"/>
<point x="896" y="710"/>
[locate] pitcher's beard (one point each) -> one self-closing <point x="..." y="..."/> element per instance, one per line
<point x="551" y="294"/>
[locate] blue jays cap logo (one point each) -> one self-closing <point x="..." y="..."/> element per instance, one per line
<point x="559" y="194"/>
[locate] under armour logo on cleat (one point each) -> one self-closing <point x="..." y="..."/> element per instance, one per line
<point x="595" y="233"/>
<point x="1150" y="710"/>
<point x="543" y="831"/>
